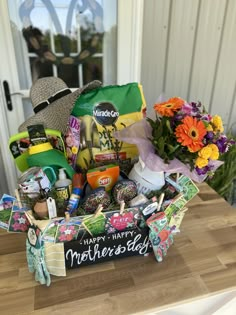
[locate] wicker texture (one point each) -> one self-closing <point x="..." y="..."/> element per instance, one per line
<point x="55" y="115"/>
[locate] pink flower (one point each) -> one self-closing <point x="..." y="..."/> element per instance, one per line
<point x="62" y="238"/>
<point x="62" y="228"/>
<point x="16" y="226"/>
<point x="16" y="216"/>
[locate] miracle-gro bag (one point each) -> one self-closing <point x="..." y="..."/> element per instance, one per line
<point x="101" y="112"/>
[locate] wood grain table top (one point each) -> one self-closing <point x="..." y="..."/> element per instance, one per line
<point x="202" y="262"/>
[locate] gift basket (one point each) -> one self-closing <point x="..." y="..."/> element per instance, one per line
<point x="99" y="180"/>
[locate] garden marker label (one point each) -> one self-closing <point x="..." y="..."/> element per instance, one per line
<point x="122" y="221"/>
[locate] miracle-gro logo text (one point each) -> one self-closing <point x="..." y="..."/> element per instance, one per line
<point x="105" y="113"/>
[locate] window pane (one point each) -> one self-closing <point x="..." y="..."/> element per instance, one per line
<point x="74" y="40"/>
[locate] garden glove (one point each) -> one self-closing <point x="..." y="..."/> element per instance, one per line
<point x="159" y="235"/>
<point x="36" y="263"/>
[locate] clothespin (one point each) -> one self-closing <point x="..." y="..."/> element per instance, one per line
<point x="67" y="216"/>
<point x="122" y="207"/>
<point x="28" y="217"/>
<point x="177" y="177"/>
<point x="98" y="210"/>
<point x="160" y="201"/>
<point x="18" y="198"/>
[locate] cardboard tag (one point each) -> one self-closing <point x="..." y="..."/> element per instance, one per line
<point x="52" y="209"/>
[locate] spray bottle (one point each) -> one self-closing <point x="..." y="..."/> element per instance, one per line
<point x="77" y="186"/>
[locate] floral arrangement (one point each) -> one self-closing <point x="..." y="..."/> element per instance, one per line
<point x="183" y="138"/>
<point x="187" y="132"/>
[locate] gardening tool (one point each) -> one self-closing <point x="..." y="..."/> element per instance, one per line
<point x="90" y="144"/>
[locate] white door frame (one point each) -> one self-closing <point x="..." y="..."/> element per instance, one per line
<point x="8" y="119"/>
<point x="130" y="20"/>
<point x="129" y="53"/>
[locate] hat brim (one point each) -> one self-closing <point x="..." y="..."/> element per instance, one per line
<point x="56" y="115"/>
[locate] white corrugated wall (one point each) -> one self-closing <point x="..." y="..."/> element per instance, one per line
<point x="189" y="50"/>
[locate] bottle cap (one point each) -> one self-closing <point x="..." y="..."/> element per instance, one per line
<point x="62" y="174"/>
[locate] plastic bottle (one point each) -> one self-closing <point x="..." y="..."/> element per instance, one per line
<point x="77" y="186"/>
<point x="63" y="185"/>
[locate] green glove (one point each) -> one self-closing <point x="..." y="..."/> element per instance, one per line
<point x="36" y="262"/>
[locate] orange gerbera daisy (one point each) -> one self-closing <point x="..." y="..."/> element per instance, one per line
<point x="170" y="107"/>
<point x="190" y="133"/>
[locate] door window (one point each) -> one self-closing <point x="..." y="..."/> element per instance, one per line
<point x="69" y="39"/>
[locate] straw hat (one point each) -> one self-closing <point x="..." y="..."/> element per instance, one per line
<point x="53" y="102"/>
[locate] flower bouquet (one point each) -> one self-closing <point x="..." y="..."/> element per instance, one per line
<point x="183" y="138"/>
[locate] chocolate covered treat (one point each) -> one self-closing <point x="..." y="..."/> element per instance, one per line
<point x="125" y="189"/>
<point x="96" y="197"/>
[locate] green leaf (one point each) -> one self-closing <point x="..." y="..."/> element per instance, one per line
<point x="168" y="126"/>
<point x="151" y="122"/>
<point x="161" y="145"/>
<point x="172" y="148"/>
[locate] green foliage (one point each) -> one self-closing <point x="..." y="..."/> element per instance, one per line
<point x="225" y="176"/>
<point x="165" y="142"/>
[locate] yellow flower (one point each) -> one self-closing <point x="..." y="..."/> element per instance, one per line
<point x="74" y="150"/>
<point x="217" y="123"/>
<point x="209" y="127"/>
<point x="201" y="162"/>
<point x="205" y="152"/>
<point x="215" y="152"/>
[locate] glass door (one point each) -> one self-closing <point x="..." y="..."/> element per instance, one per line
<point x="76" y="40"/>
<point x="68" y="39"/>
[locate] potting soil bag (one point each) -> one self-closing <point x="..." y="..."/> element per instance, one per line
<point x="101" y="112"/>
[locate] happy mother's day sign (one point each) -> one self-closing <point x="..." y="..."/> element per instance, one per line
<point x="106" y="247"/>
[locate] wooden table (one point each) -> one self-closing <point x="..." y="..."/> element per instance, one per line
<point x="202" y="262"/>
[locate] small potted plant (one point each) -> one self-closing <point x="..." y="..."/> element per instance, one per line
<point x="40" y="207"/>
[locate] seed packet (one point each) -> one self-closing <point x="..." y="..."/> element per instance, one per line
<point x="177" y="219"/>
<point x="176" y="205"/>
<point x="68" y="231"/>
<point x="189" y="189"/>
<point x="95" y="224"/>
<point x="18" y="221"/>
<point x="37" y="134"/>
<point x="49" y="233"/>
<point x="72" y="140"/>
<point x="6" y="204"/>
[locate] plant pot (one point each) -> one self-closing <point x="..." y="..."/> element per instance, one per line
<point x="41" y="209"/>
<point x="146" y="179"/>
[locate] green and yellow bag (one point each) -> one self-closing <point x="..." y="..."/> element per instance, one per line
<point x="101" y="112"/>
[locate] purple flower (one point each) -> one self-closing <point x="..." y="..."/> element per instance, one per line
<point x="186" y="109"/>
<point x="206" y="117"/>
<point x="179" y="116"/>
<point x="203" y="170"/>
<point x="222" y="144"/>
<point x="209" y="135"/>
<point x="195" y="107"/>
